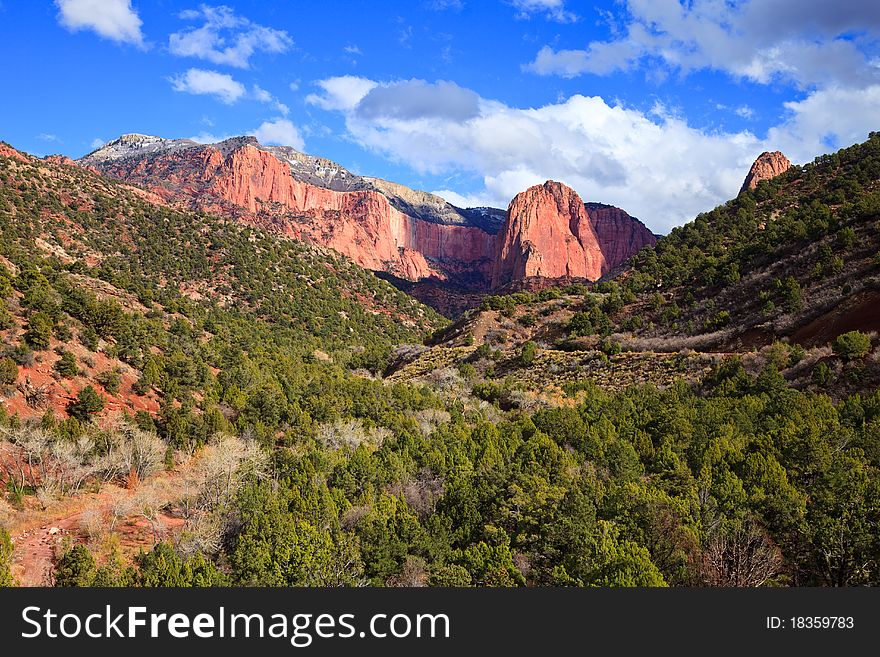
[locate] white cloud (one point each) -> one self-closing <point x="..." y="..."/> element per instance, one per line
<point x="825" y="121"/>
<point x="352" y="49"/>
<point x="225" y="38"/>
<point x="264" y="96"/>
<point x="745" y="112"/>
<point x="464" y="200"/>
<point x="97" y="142"/>
<point x="201" y="82"/>
<point x="806" y="42"/>
<point x="553" y="10"/>
<point x="208" y="138"/>
<point x="341" y="93"/>
<point x="47" y="136"/>
<point x="404" y="37"/>
<point x="281" y="132"/>
<point x="654" y="165"/>
<point x="113" y="19"/>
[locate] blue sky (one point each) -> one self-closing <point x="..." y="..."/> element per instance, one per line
<point x="653" y="105"/>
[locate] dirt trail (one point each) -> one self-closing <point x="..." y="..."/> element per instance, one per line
<point x="37" y="538"/>
<point x="34" y="552"/>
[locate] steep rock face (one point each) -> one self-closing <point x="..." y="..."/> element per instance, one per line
<point x="767" y="166"/>
<point x="414" y="236"/>
<point x="258" y="186"/>
<point x="548" y="233"/>
<point x="620" y="235"/>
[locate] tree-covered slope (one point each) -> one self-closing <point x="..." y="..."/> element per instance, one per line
<point x="769" y="262"/>
<point x="260" y="458"/>
<point x="102" y="270"/>
<point x="786" y="274"/>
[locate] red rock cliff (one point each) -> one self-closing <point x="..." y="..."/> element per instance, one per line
<point x="362" y="225"/>
<point x="767" y="166"/>
<point x="620" y="235"/>
<point x="548" y="233"/>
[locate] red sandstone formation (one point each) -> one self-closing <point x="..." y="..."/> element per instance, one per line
<point x="550" y="233"/>
<point x="620" y="235"/>
<point x="767" y="166"/>
<point x="60" y="159"/>
<point x="8" y="151"/>
<point x="362" y="225"/>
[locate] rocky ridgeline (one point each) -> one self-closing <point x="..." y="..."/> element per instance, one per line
<point x="383" y="226"/>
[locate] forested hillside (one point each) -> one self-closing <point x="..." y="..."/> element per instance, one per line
<point x="277" y="454"/>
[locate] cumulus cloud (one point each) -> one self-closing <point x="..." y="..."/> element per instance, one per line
<point x="464" y="200"/>
<point x="281" y="132"/>
<point x="415" y="99"/>
<point x="225" y="38"/>
<point x="112" y="19"/>
<point x="653" y="164"/>
<point x="805" y="42"/>
<point x="202" y="82"/>
<point x="341" y="93"/>
<point x="551" y="9"/>
<point x="825" y="121"/>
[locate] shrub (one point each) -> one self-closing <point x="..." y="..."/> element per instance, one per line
<point x="467" y="371"/>
<point x="720" y="320"/>
<point x="76" y="567"/>
<point x="5" y="559"/>
<point x="39" y="330"/>
<point x="609" y="347"/>
<point x="111" y="380"/>
<point x="88" y="403"/>
<point x="6" y="319"/>
<point x="89" y="337"/>
<point x="854" y="344"/>
<point x="8" y="371"/>
<point x="792" y="295"/>
<point x="822" y="375"/>
<point x="22" y="355"/>
<point x="528" y="352"/>
<point x="66" y="365"/>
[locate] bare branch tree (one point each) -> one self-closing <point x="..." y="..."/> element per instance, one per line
<point x="742" y="557"/>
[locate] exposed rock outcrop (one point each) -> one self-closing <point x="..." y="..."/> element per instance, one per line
<point x="60" y="159"/>
<point x="551" y="233"/>
<point x="7" y="151"/>
<point x="383" y="226"/>
<point x="548" y="233"/>
<point x="255" y="185"/>
<point x="620" y="235"/>
<point x="767" y="166"/>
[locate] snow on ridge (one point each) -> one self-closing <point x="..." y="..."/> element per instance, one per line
<point x="133" y="144"/>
